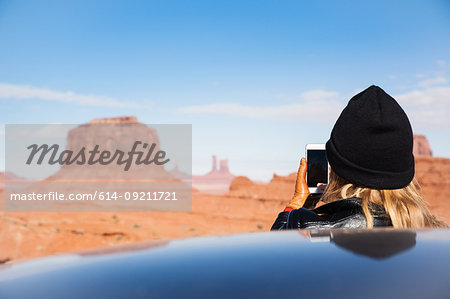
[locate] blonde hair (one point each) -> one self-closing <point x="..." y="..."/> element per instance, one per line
<point x="405" y="207"/>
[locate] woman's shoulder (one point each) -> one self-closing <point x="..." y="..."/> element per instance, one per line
<point x="347" y="203"/>
<point x="345" y="213"/>
<point x="353" y="204"/>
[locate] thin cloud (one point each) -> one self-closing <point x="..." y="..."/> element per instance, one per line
<point x="23" y="92"/>
<point x="428" y="107"/>
<point x="431" y="97"/>
<point x="433" y="81"/>
<point x="317" y="105"/>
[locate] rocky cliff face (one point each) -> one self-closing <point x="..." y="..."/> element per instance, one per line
<point x="433" y="175"/>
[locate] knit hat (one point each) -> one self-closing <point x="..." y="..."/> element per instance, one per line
<point x="371" y="144"/>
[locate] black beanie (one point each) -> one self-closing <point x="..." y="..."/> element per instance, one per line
<point x="371" y="144"/>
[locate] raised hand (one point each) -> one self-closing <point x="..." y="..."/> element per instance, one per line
<point x="301" y="192"/>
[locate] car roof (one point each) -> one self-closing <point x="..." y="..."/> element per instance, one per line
<point x="308" y="263"/>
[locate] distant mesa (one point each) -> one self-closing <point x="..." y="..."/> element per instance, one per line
<point x="4" y="176"/>
<point x="116" y="120"/>
<point x="216" y="181"/>
<point x="221" y="175"/>
<point x="421" y="146"/>
<point x="176" y="172"/>
<point x="279" y="188"/>
<point x="110" y="137"/>
<point x="111" y="134"/>
<point x="241" y="182"/>
<point x="9" y="176"/>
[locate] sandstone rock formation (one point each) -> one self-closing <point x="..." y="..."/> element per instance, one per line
<point x="241" y="182"/>
<point x="433" y="175"/>
<point x="217" y="180"/>
<point x="176" y="172"/>
<point x="113" y="135"/>
<point x="421" y="146"/>
<point x="116" y="120"/>
<point x="279" y="188"/>
<point x="7" y="176"/>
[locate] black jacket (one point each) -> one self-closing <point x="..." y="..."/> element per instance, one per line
<point x="345" y="213"/>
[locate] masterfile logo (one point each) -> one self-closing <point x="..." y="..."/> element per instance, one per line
<point x="98" y="167"/>
<point x="96" y="156"/>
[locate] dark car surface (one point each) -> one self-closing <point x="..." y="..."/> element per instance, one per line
<point x="379" y="263"/>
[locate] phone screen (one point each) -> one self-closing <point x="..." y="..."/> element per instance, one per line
<point x="317" y="167"/>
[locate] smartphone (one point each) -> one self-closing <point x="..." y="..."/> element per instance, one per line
<point x="318" y="169"/>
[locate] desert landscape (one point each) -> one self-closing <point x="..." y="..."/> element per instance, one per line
<point x="230" y="205"/>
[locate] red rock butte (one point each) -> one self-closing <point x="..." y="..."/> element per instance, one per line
<point x="215" y="181"/>
<point x="112" y="134"/>
<point x="421" y="146"/>
<point x="116" y="120"/>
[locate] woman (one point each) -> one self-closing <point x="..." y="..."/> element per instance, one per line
<point x="372" y="169"/>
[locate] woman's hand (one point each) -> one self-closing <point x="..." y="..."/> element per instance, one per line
<point x="301" y="188"/>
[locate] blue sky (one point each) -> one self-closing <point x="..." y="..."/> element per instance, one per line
<point x="256" y="79"/>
